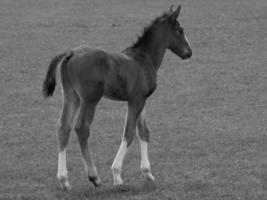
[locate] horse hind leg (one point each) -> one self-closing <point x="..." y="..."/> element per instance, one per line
<point x="82" y="128"/>
<point x="143" y="136"/>
<point x="71" y="104"/>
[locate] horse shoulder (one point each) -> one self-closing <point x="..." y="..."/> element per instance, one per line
<point x="149" y="78"/>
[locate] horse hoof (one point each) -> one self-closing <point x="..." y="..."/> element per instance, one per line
<point x="118" y="181"/>
<point x="148" y="175"/>
<point x="64" y="184"/>
<point x="95" y="180"/>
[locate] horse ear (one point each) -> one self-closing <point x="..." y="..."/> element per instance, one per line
<point x="171" y="9"/>
<point x="175" y="14"/>
<point x="177" y="11"/>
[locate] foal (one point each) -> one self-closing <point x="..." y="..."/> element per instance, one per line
<point x="89" y="74"/>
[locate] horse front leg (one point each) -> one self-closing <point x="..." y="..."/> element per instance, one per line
<point x="134" y="110"/>
<point x="143" y="136"/>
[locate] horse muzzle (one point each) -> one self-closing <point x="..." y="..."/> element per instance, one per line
<point x="187" y="54"/>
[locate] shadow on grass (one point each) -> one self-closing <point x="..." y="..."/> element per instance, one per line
<point x="115" y="192"/>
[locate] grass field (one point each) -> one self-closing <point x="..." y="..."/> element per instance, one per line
<point x="208" y="117"/>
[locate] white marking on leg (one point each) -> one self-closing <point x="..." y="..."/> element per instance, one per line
<point x="62" y="166"/>
<point x="145" y="164"/>
<point x="62" y="173"/>
<point x="117" y="163"/>
<point x="144" y="155"/>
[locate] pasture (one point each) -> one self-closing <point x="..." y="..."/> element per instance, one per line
<point x="208" y="116"/>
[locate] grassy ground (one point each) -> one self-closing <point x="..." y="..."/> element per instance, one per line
<point x="208" y="117"/>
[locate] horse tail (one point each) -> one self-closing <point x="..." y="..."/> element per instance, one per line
<point x="49" y="83"/>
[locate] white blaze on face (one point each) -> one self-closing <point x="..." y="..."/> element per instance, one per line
<point x="187" y="40"/>
<point x="62" y="166"/>
<point x="186" y="50"/>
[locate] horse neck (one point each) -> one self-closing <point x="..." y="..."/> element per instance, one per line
<point x="155" y="49"/>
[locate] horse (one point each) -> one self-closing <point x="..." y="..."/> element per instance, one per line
<point x="88" y="74"/>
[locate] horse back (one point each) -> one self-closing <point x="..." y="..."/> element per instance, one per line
<point x="117" y="75"/>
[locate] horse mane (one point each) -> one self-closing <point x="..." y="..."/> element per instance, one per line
<point x="148" y="31"/>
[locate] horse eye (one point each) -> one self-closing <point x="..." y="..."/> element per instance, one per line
<point x="180" y="30"/>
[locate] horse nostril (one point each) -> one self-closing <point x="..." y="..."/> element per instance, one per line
<point x="187" y="53"/>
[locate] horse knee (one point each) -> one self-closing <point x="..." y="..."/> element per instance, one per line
<point x="63" y="136"/>
<point x="128" y="137"/>
<point x="145" y="135"/>
<point x="144" y="132"/>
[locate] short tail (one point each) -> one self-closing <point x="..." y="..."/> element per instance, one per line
<point x="49" y="84"/>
